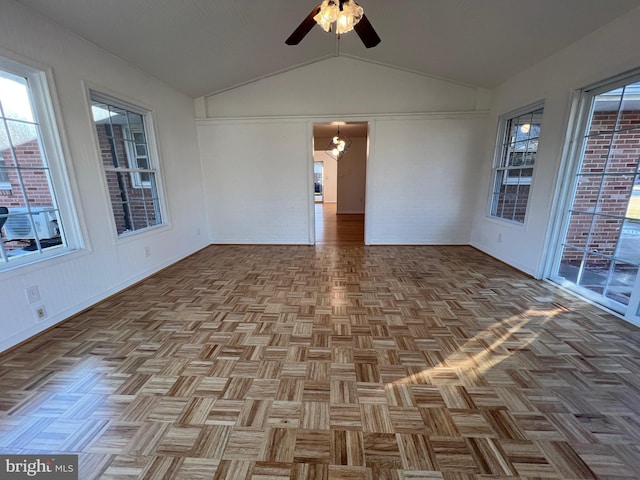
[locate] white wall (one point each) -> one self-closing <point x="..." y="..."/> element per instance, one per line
<point x="352" y="175"/>
<point x="259" y="181"/>
<point x="420" y="180"/>
<point x="344" y="86"/>
<point x="606" y="52"/>
<point x="423" y="179"/>
<point x="73" y="282"/>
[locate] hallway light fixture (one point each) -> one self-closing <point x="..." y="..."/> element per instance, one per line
<point x="345" y="13"/>
<point x="338" y="146"/>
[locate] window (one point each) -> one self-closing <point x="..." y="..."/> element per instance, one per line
<point x="31" y="169"/>
<point x="132" y="180"/>
<point x="515" y="159"/>
<point x="599" y="252"/>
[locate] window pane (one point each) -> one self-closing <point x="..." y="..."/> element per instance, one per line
<point x="508" y="206"/>
<point x="605" y="112"/>
<point x="614" y="194"/>
<point x="587" y="192"/>
<point x="5" y="180"/>
<point x="629" y="242"/>
<point x="604" y="234"/>
<point x="633" y="209"/>
<point x="623" y="157"/>
<point x="596" y="153"/>
<point x="24" y="138"/>
<point x="136" y="124"/>
<point x="117" y="116"/>
<point x="144" y="214"/>
<point x="14" y="97"/>
<point x="595" y="273"/>
<point x="628" y="117"/>
<point x="116" y="184"/>
<point x="111" y="150"/>
<point x="570" y="263"/>
<point x="578" y="231"/>
<point x="620" y="286"/>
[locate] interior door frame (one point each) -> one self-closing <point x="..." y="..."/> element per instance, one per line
<point x="370" y="123"/>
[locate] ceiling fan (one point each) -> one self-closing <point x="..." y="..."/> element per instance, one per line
<point x="346" y="14"/>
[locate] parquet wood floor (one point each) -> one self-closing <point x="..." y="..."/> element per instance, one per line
<point x="332" y="362"/>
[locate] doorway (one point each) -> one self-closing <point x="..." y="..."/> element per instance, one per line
<point x="318" y="179"/>
<point x="599" y="255"/>
<point x="340" y="182"/>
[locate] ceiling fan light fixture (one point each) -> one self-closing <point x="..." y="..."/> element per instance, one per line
<point x="327" y="15"/>
<point x="340" y="16"/>
<point x="346" y="15"/>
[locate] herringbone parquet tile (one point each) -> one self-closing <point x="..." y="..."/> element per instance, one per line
<point x="332" y="362"/>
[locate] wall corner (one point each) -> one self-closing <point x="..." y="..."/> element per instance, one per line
<point x="200" y="107"/>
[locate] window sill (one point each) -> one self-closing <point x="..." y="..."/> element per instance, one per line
<point x="24" y="263"/>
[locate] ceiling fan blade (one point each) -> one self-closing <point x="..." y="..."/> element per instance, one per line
<point x="304" y="28"/>
<point x="367" y="34"/>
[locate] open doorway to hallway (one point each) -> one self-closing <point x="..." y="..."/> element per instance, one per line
<point x="340" y="182"/>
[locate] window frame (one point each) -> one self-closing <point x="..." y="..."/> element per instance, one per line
<point x="55" y="155"/>
<point x="97" y="94"/>
<point x="500" y="167"/>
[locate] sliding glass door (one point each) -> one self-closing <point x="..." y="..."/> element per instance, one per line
<point x="599" y="255"/>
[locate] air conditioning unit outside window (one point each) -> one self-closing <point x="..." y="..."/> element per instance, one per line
<point x="19" y="227"/>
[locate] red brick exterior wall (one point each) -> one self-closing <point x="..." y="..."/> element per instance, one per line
<point x="512" y="202"/>
<point x="138" y="198"/>
<point x="29" y="157"/>
<point x="622" y="149"/>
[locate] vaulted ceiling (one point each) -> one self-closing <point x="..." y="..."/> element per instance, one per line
<point x="206" y="46"/>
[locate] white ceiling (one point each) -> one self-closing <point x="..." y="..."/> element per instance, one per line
<point x="206" y="46"/>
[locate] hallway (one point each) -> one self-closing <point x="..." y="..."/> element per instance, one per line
<point x="333" y="229"/>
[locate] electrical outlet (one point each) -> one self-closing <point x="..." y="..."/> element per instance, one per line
<point x="39" y="313"/>
<point x="147" y="251"/>
<point x="198" y="231"/>
<point x="33" y="294"/>
<point x="499" y="238"/>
